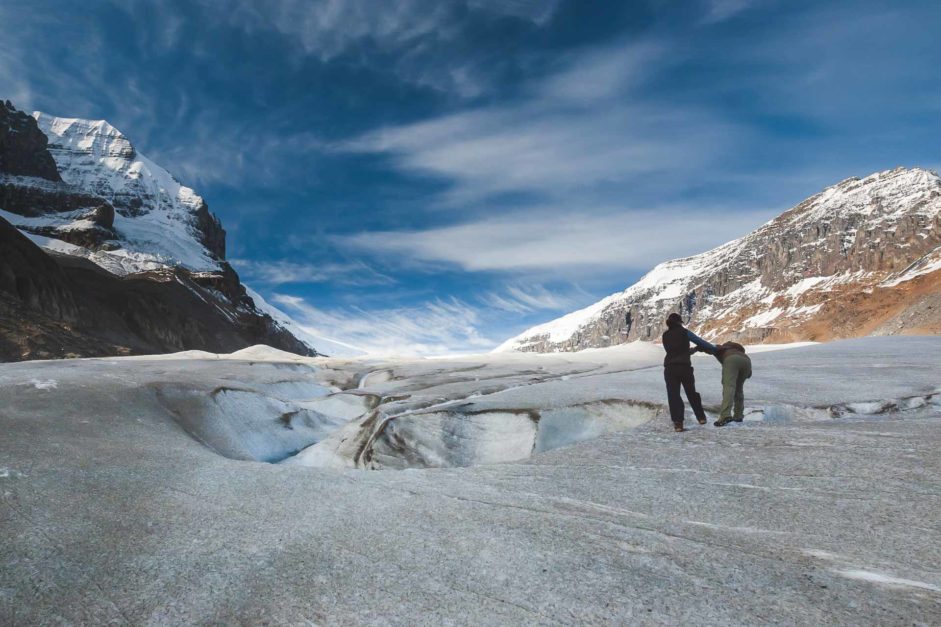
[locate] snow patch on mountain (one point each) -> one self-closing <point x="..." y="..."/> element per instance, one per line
<point x="155" y="215"/>
<point x="926" y="265"/>
<point x="120" y="262"/>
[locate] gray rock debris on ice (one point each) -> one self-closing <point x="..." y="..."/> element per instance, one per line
<point x="129" y="491"/>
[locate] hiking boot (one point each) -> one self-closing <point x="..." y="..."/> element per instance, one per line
<point x="701" y="421"/>
<point x="679" y="428"/>
<point x="738" y="419"/>
<point x="722" y="422"/>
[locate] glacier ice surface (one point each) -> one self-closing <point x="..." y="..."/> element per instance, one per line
<point x="113" y="510"/>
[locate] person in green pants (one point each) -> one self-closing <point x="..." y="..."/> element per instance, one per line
<point x="736" y="368"/>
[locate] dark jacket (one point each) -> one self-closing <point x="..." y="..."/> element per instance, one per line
<point x="676" y="344"/>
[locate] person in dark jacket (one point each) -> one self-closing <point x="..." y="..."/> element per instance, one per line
<point x="678" y="370"/>
<point x="736" y="368"/>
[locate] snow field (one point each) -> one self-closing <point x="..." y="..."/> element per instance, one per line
<point x="111" y="512"/>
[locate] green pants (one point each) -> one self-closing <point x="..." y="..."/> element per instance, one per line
<point x="735" y="369"/>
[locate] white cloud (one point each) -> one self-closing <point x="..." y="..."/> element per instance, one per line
<point x="282" y="272"/>
<point x="523" y="299"/>
<point x="433" y="328"/>
<point x="412" y="37"/>
<point x="600" y="74"/>
<point x="569" y="243"/>
<point x="328" y="28"/>
<point x="538" y="11"/>
<point x="721" y="10"/>
<point x="531" y="150"/>
<point x="579" y="128"/>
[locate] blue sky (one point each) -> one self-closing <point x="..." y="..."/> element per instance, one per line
<point x="426" y="176"/>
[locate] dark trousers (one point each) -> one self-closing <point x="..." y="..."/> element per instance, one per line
<point x="682" y="375"/>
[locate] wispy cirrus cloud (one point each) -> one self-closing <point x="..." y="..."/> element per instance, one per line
<point x="409" y="39"/>
<point x="600" y="74"/>
<point x="525" y="299"/>
<point x="551" y="154"/>
<point x="578" y="128"/>
<point x="722" y="10"/>
<point x="579" y="132"/>
<point x="436" y="327"/>
<point x="567" y="243"/>
<point x="328" y="28"/>
<point x="282" y="272"/>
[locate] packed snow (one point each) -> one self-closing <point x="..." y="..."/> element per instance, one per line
<point x="510" y="489"/>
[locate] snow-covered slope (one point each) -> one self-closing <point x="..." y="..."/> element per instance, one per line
<point x="158" y="221"/>
<point x="859" y="258"/>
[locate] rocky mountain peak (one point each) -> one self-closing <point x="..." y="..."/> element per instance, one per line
<point x="96" y="138"/>
<point x="103" y="252"/>
<point x="23" y="147"/>
<point x="802" y="276"/>
<point x="158" y="222"/>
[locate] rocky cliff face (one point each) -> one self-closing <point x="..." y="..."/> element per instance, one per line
<point x="32" y="190"/>
<point x="102" y="252"/>
<point x="862" y="257"/>
<point x="23" y="151"/>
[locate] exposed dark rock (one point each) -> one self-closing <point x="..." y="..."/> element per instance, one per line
<point x="35" y="197"/>
<point x="32" y="278"/>
<point x="211" y="233"/>
<point x="23" y="147"/>
<point x="94" y="237"/>
<point x="55" y="306"/>
<point x="102" y="216"/>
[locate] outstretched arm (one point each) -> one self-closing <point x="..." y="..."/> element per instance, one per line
<point x="700" y="343"/>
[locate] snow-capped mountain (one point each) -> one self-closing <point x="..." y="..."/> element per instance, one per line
<point x="158" y="280"/>
<point x="862" y="257"/>
<point x="158" y="222"/>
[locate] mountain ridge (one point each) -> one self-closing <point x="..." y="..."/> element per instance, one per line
<point x="108" y="254"/>
<point x="864" y="240"/>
